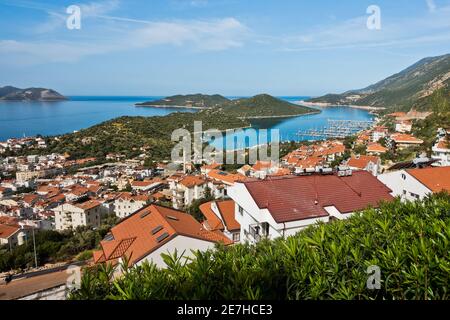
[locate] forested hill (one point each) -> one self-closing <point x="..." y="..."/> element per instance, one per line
<point x="406" y="89"/>
<point x="265" y="106"/>
<point x="191" y="100"/>
<point x="133" y="136"/>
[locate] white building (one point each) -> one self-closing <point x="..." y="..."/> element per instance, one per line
<point x="127" y="203"/>
<point x="154" y="230"/>
<point x="441" y="152"/>
<point x="220" y="217"/>
<point x="13" y="235"/>
<point x="413" y="184"/>
<point x="282" y="206"/>
<point x="371" y="164"/>
<point x="403" y="126"/>
<point x="73" y="215"/>
<point x="186" y="189"/>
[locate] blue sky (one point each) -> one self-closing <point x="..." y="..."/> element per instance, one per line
<point x="231" y="47"/>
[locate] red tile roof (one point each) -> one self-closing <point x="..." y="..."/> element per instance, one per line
<point x="226" y="209"/>
<point x="191" y="181"/>
<point x="362" y="161"/>
<point x="405" y="138"/>
<point x="227" y="177"/>
<point x="7" y="231"/>
<point x="212" y="221"/>
<point x="297" y="198"/>
<point x="434" y="178"/>
<point x="88" y="204"/>
<point x="137" y="235"/>
<point x="376" y="147"/>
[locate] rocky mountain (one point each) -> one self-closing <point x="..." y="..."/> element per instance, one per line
<point x="407" y="88"/>
<point x="31" y="94"/>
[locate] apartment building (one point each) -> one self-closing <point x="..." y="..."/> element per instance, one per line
<point x="127" y="203"/>
<point x="73" y="215"/>
<point x="282" y="206"/>
<point x="413" y="184"/>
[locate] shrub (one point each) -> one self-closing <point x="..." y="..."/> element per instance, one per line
<point x="408" y="241"/>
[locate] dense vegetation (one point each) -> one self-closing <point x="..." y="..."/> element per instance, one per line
<point x="264" y="106"/>
<point x="151" y="136"/>
<point x="52" y="246"/>
<point x="133" y="136"/>
<point x="409" y="242"/>
<point x="190" y="100"/>
<point x="405" y="89"/>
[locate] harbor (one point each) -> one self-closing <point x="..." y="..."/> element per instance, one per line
<point x="337" y="129"/>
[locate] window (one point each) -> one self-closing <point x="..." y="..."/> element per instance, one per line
<point x="416" y="196"/>
<point x="236" y="237"/>
<point x="403" y="176"/>
<point x="241" y="210"/>
<point x="265" y="229"/>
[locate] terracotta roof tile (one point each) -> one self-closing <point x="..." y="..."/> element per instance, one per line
<point x="362" y="161"/>
<point x="227" y="209"/>
<point x="212" y="221"/>
<point x="297" y="198"/>
<point x="149" y="223"/>
<point x="434" y="178"/>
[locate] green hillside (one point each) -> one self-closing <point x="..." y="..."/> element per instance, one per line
<point x="265" y="106"/>
<point x="191" y="100"/>
<point x="409" y="242"/>
<point x="134" y="136"/>
<point x="404" y="89"/>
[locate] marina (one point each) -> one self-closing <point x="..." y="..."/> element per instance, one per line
<point x="337" y="129"/>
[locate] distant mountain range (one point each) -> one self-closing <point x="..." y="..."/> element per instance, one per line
<point x="30" y="94"/>
<point x="191" y="101"/>
<point x="409" y="88"/>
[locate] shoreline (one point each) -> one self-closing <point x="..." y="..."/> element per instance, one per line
<point x="169" y="106"/>
<point x="328" y="104"/>
<point x="282" y="116"/>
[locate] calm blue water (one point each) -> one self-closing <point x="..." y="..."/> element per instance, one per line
<point x="31" y="118"/>
<point x="52" y="118"/>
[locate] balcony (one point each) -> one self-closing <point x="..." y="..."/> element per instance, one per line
<point x="254" y="231"/>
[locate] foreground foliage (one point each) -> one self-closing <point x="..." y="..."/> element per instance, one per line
<point x="409" y="242"/>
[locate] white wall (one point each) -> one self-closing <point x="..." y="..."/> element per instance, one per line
<point x="253" y="215"/>
<point x="404" y="185"/>
<point x="181" y="244"/>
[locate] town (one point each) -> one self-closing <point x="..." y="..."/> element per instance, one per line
<point x="194" y="206"/>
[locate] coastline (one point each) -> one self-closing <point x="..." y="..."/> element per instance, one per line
<point x="328" y="104"/>
<point x="169" y="106"/>
<point x="282" y="116"/>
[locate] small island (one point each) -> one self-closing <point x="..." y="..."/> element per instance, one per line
<point x="195" y="101"/>
<point x="10" y="93"/>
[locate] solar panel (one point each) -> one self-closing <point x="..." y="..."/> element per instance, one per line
<point x="158" y="228"/>
<point x="172" y="218"/>
<point x="162" y="237"/>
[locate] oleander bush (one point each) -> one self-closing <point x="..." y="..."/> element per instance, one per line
<point x="409" y="242"/>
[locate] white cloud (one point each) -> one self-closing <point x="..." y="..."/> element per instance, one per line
<point x="354" y="33"/>
<point x="431" y="5"/>
<point x="215" y="35"/>
<point x="99" y="8"/>
<point x="219" y="34"/>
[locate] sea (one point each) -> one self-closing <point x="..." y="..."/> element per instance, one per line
<point x="20" y="119"/>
